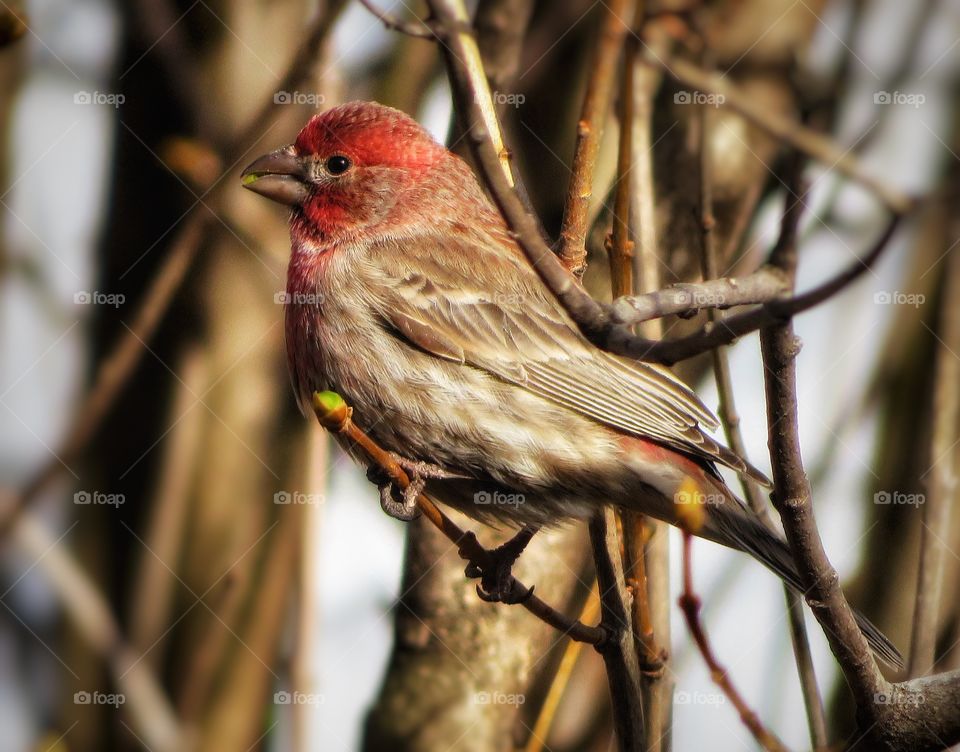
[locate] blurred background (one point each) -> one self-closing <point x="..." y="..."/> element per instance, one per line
<point x="183" y="553"/>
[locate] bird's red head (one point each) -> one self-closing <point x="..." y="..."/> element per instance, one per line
<point x="347" y="170"/>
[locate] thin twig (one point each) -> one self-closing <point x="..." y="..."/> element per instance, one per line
<point x="596" y="107"/>
<point x="622" y="282"/>
<point x="335" y="415"/>
<point x="646" y="540"/>
<point x="690" y="605"/>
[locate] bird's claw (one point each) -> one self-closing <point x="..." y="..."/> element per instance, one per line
<point x="403" y="508"/>
<point x="495" y="571"/>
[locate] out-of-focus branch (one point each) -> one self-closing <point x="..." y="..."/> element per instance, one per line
<point x="392" y="22"/>
<point x="501" y="27"/>
<point x="117" y="367"/>
<point x="789" y="131"/>
<point x="942" y="484"/>
<point x="13" y="25"/>
<point x="593" y="114"/>
<point x="150" y="712"/>
<point x="334" y="415"/>
<point x="551" y="703"/>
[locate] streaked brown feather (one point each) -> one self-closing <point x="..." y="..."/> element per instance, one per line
<point x="504" y="321"/>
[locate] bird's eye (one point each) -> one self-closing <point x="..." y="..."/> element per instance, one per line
<point x="338" y="164"/>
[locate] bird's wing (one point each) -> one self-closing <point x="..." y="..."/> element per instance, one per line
<point x="499" y="317"/>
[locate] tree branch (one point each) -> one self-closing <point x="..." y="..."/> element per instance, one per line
<point x="791" y="494"/>
<point x="690" y="605"/>
<point x="727" y="412"/>
<point x="593" y="115"/>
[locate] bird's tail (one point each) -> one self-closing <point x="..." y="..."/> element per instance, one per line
<point x="730" y="524"/>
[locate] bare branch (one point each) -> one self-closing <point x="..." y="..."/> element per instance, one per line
<point x="687" y="299"/>
<point x="792" y="496"/>
<point x="690" y="605"/>
<point x="619" y="651"/>
<point x="593" y="114"/>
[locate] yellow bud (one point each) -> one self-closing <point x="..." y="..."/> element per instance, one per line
<point x="688" y="505"/>
<point x="331" y="410"/>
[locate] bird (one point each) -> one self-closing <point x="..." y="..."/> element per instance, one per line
<point x="408" y="295"/>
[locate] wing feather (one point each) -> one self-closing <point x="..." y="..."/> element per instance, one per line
<point x="499" y="317"/>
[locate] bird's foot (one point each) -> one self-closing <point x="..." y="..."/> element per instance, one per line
<point x="495" y="570"/>
<point x="402" y="505"/>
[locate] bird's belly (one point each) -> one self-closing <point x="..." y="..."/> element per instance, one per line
<point x="456" y="416"/>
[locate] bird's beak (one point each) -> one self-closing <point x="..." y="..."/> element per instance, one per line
<point x="279" y="175"/>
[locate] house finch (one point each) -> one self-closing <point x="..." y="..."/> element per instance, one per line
<point x="407" y="295"/>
